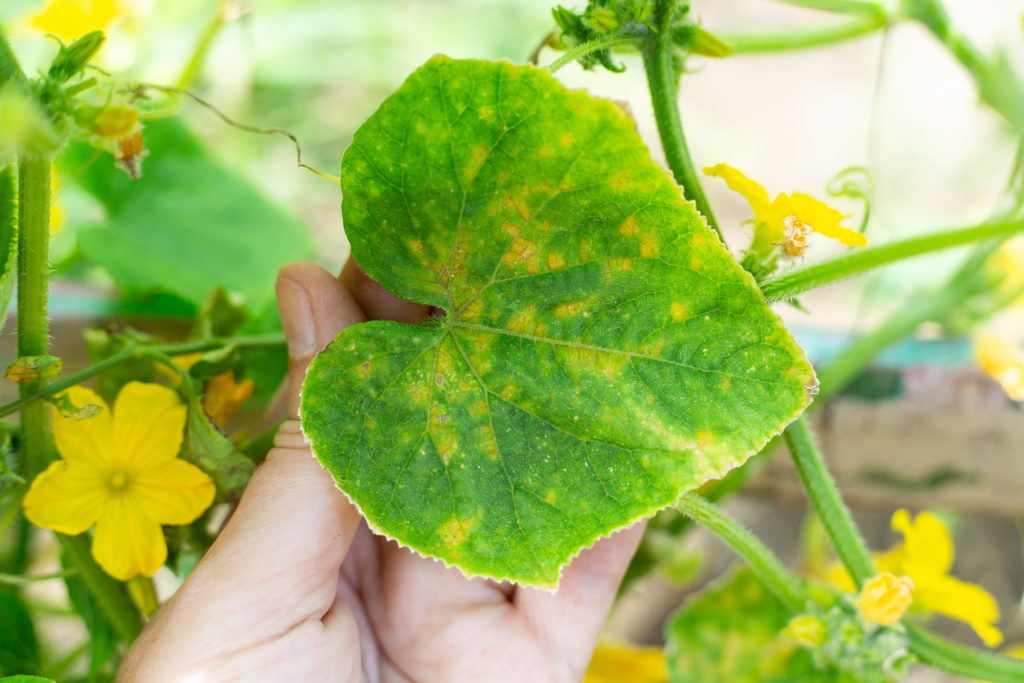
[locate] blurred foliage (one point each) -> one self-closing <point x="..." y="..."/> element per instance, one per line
<point x="187" y="226"/>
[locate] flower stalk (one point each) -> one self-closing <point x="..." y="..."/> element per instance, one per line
<point x="586" y="48"/>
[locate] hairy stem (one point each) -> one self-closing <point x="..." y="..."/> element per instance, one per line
<point x="963" y="661"/>
<point x="799" y="280"/>
<point x="587" y="48"/>
<point x="824" y="495"/>
<point x="139" y="351"/>
<point x="662" y="82"/>
<point x="33" y="321"/>
<point x="749" y="547"/>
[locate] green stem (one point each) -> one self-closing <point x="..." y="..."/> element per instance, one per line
<point x="133" y="352"/>
<point x="824" y="495"/>
<point x="963" y="661"/>
<point x="33" y="322"/>
<point x="802" y="39"/>
<point x="10" y="69"/>
<point x="203" y="46"/>
<point x="109" y="593"/>
<point x="663" y="84"/>
<point x="24" y="579"/>
<point x="749" y="547"/>
<point x="799" y="280"/>
<point x="842" y="6"/>
<point x="586" y="48"/>
<point x="859" y="354"/>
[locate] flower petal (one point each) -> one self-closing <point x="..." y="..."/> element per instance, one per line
<point x="68" y="497"/>
<point x="891" y="561"/>
<point x="174" y="493"/>
<point x="613" y="663"/>
<point x="928" y="545"/>
<point x="148" y="424"/>
<point x="964" y="601"/>
<point x="224" y="396"/>
<point x="70" y="19"/>
<point x="88" y="440"/>
<point x="127" y="542"/>
<point x="885" y="598"/>
<point x="753" y="191"/>
<point x="825" y="220"/>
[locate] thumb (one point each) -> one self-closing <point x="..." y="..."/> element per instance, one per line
<point x="314" y="307"/>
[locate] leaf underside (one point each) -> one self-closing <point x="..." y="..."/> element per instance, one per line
<point x="601" y="351"/>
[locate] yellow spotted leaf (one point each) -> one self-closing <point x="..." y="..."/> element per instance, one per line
<point x="600" y="351"/>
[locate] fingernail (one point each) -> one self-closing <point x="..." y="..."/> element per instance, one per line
<point x="297" y="318"/>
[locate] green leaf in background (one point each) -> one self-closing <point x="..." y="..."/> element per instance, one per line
<point x="8" y="238"/>
<point x="601" y="352"/>
<point x="729" y="633"/>
<point x="21" y="678"/>
<point x="188" y="226"/>
<point x="19" y="648"/>
<point x="102" y="640"/>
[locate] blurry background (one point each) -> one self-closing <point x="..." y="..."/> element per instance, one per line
<point x="897" y="103"/>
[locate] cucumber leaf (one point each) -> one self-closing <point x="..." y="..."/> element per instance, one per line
<point x="601" y="351"/>
<point x="730" y="633"/>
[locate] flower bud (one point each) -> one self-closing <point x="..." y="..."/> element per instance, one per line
<point x="73" y="58"/>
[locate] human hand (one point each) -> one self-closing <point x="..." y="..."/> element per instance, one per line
<point x="296" y="587"/>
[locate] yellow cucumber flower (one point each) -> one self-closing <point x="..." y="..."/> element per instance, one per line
<point x="618" y="662"/>
<point x="70" y="19"/>
<point x="925" y="557"/>
<point x="1003" y="361"/>
<point x="885" y="598"/>
<point x="119" y="471"/>
<point x="788" y="219"/>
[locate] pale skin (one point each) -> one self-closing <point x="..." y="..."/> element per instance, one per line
<point x="296" y="588"/>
